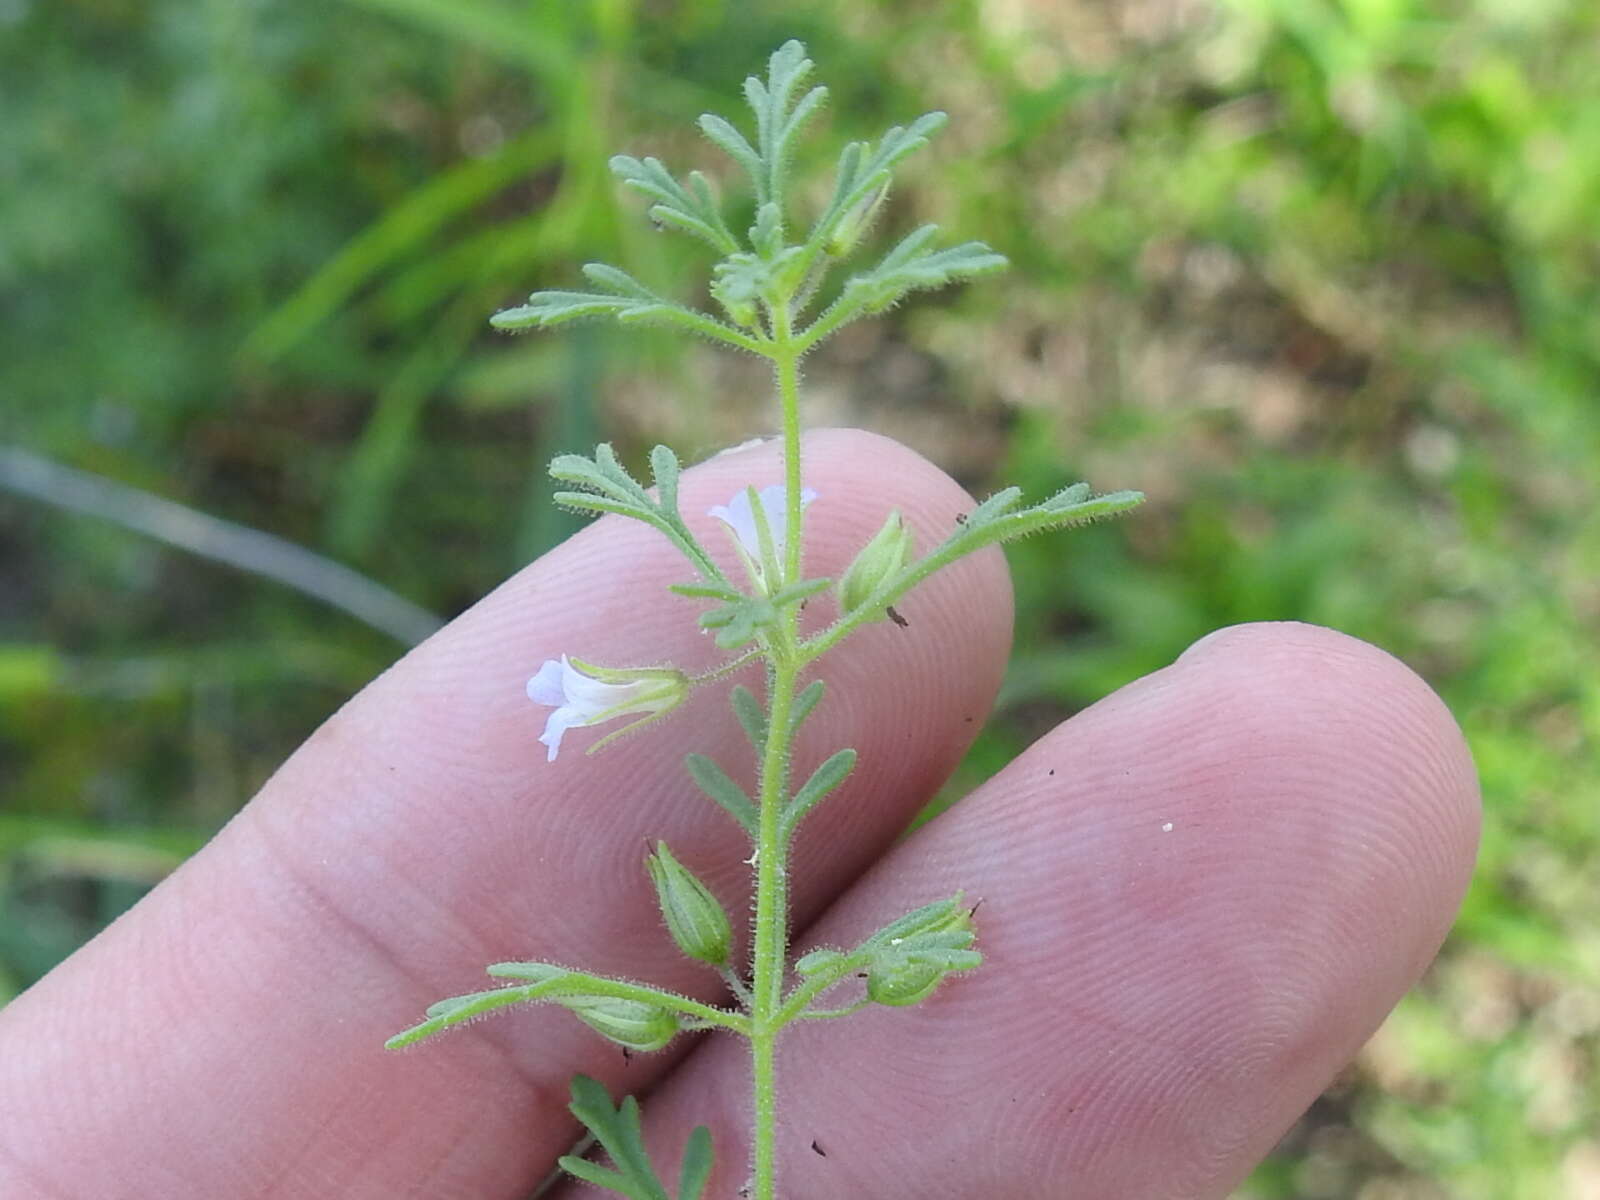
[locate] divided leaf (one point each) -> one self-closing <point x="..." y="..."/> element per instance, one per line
<point x="620" y="1134"/>
<point x="622" y="296"/>
<point x="693" y="210"/>
<point x="602" y="484"/>
<point x="998" y="519"/>
<point x="860" y="175"/>
<point x="910" y="267"/>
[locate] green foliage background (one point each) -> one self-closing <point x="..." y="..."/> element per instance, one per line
<point x="1319" y="275"/>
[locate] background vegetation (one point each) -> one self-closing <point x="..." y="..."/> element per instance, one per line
<point x="1323" y="276"/>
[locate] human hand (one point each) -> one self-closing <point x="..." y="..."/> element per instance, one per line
<point x="1198" y="898"/>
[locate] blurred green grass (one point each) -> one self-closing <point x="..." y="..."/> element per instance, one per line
<point x="1320" y="275"/>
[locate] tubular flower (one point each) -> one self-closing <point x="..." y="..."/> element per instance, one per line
<point x="740" y="516"/>
<point x="584" y="694"/>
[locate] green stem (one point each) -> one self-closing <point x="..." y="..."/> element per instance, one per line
<point x="771" y="948"/>
<point x="786" y="364"/>
<point x="770" y="953"/>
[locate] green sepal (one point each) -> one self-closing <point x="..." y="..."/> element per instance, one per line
<point x="816" y="961"/>
<point x="872" y="575"/>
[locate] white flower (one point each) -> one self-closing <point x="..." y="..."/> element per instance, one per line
<point x="739" y="516"/>
<point x="589" y="695"/>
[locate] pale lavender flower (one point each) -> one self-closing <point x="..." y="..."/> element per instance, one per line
<point x="588" y="695"/>
<point x="739" y="516"/>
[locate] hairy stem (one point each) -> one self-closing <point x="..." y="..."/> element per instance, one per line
<point x="770" y="954"/>
<point x="786" y="364"/>
<point x="771" y="948"/>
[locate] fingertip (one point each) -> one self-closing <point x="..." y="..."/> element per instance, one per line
<point x="1366" y="710"/>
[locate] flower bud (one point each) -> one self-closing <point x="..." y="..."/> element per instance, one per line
<point x="910" y="956"/>
<point x="903" y="984"/>
<point x="694" y="916"/>
<point x="630" y="1023"/>
<point x="854" y="223"/>
<point x="880" y="560"/>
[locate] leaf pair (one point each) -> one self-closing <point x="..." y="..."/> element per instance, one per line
<point x="740" y="619"/>
<point x="716" y="783"/>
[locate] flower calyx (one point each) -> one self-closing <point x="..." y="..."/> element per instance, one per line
<point x="695" y="918"/>
<point x="868" y="581"/>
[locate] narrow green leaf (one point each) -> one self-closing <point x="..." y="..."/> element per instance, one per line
<point x="807" y="700"/>
<point x="632" y="1129"/>
<point x="589" y="502"/>
<point x="678" y="219"/>
<point x="588" y="1172"/>
<point x="861" y="173"/>
<point x="618" y="1132"/>
<point x="1068" y="497"/>
<point x="803" y="112"/>
<point x="443" y="1008"/>
<point x="617" y="281"/>
<point x="664" y="467"/>
<point x="798" y="593"/>
<point x="1001" y="502"/>
<point x="544" y="309"/>
<point x="701" y="591"/>
<point x="907" y="248"/>
<point x="535" y="972"/>
<point x="823" y="780"/>
<point x="752" y="717"/>
<point x="697" y="1163"/>
<point x="714" y="782"/>
<point x="728" y="139"/>
<point x="447" y="1013"/>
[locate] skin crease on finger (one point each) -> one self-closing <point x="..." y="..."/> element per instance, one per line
<point x="224" y="1038"/>
<point x="1198" y="898"/>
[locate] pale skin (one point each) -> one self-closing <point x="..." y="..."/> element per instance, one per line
<point x="1157" y="1005"/>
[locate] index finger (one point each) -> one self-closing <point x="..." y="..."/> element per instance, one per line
<point x="225" y="1037"/>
